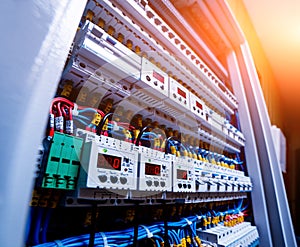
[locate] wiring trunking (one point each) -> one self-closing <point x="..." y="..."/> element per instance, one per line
<point x="154" y="125"/>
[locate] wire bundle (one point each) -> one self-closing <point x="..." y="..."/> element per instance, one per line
<point x="64" y="112"/>
<point x="180" y="233"/>
<point x="66" y="115"/>
<point x="183" y="229"/>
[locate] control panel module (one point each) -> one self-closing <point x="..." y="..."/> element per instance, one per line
<point x="111" y="167"/>
<point x="155" y="170"/>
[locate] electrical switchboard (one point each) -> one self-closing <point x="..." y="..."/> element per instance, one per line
<point x="144" y="126"/>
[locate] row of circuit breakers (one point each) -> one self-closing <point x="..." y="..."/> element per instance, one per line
<point x="115" y="58"/>
<point x="115" y="164"/>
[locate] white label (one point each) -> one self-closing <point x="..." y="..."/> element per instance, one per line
<point x="69" y="126"/>
<point x="51" y="120"/>
<point x="59" y="123"/>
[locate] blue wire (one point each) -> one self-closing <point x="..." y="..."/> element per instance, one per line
<point x="156" y="242"/>
<point x="176" y="238"/>
<point x="150" y="133"/>
<point x="81" y="121"/>
<point x="43" y="234"/>
<point x="88" y="110"/>
<point x="39" y="214"/>
<point x="124" y="238"/>
<point x="83" y="118"/>
<point x="28" y="223"/>
<point x="146" y="139"/>
<point x="158" y="239"/>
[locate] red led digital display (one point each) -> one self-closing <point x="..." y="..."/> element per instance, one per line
<point x="158" y="77"/>
<point x="109" y="162"/>
<point x="181" y="174"/>
<point x="199" y="105"/>
<point x="152" y="169"/>
<point x="181" y="93"/>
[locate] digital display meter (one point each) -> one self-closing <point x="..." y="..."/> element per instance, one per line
<point x="182" y="174"/>
<point x="109" y="162"/>
<point x="152" y="169"/>
<point x="155" y="170"/>
<point x="158" y="76"/>
<point x="181" y="92"/>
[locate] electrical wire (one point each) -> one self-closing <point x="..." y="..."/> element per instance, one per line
<point x="37" y="215"/>
<point x="182" y="230"/>
<point x="47" y="217"/>
<point x="63" y="112"/>
<point x="121" y="238"/>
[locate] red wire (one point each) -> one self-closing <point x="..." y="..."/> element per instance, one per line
<point x="59" y="109"/>
<point x="68" y="114"/>
<point x="64" y="100"/>
<point x="63" y="107"/>
<point x="54" y="107"/>
<point x="71" y="104"/>
<point x="125" y="125"/>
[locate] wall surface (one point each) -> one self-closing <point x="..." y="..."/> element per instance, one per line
<point x="279" y="115"/>
<point x="36" y="39"/>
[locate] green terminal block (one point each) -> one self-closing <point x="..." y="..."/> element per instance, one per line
<point x="63" y="164"/>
